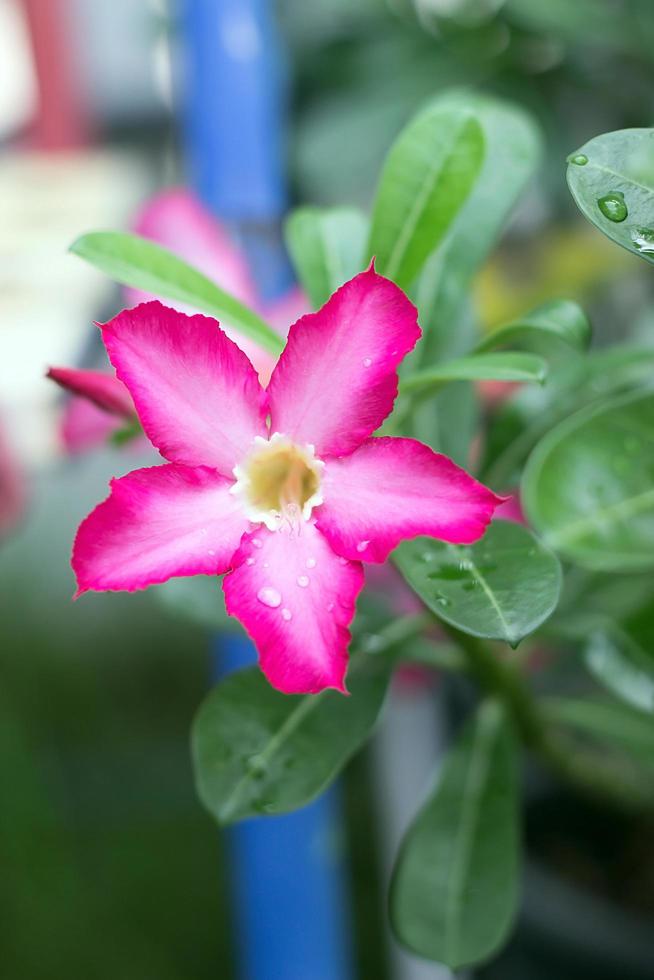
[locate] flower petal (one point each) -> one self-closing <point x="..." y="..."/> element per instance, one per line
<point x="196" y="393"/>
<point x="101" y="388"/>
<point x="158" y="522"/>
<point x="295" y="598"/>
<point x="336" y="380"/>
<point x="85" y="426"/>
<point x="391" y="489"/>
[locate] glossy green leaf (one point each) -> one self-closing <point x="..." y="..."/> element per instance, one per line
<point x="513" y="150"/>
<point x="502" y="366"/>
<point x="140" y="263"/>
<point x="427" y="176"/>
<point x="621" y="665"/>
<point x="614" y="187"/>
<point x="561" y="320"/>
<point x="501" y="588"/>
<point x="257" y="751"/>
<point x="326" y="245"/>
<point x="455" y="887"/>
<point x="608" y="721"/>
<point x="589" y="485"/>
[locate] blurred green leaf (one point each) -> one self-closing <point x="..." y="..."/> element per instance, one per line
<point x="504" y="366"/>
<point x="140" y="263"/>
<point x="513" y="149"/>
<point x="617" y="179"/>
<point x="455" y="886"/>
<point x="427" y="176"/>
<point x="257" y="751"/>
<point x="326" y="245"/>
<point x="617" y="661"/>
<point x="588" y="487"/>
<point x="561" y="319"/>
<point x="613" y="722"/>
<point x="501" y="588"/>
<point x="199" y="599"/>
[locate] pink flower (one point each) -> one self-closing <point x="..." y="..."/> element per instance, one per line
<point x="283" y="488"/>
<point x="175" y="219"/>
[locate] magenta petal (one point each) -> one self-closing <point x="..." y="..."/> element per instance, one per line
<point x="391" y="489"/>
<point x="85" y="426"/>
<point x="99" y="387"/>
<point x="336" y="380"/>
<point x="158" y="522"/>
<point x="197" y="395"/>
<point x="296" y="599"/>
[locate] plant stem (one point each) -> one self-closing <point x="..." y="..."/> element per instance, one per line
<point x="602" y="780"/>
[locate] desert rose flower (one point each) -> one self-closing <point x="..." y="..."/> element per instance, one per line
<point x="283" y="488"/>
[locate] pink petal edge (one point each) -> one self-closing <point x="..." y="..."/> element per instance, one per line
<point x="336" y="380"/>
<point x="158" y="522"/>
<point x="104" y="390"/>
<point x="301" y="627"/>
<point x="196" y="393"/>
<point x="391" y="489"/>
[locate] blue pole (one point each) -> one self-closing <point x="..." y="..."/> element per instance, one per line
<point x="289" y="892"/>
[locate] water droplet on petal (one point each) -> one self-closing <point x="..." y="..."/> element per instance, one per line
<point x="250" y="561"/>
<point x="613" y="206"/>
<point x="367" y="361"/>
<point x="303" y="581"/>
<point x="266" y="564"/>
<point x="579" y="159"/>
<point x="257" y="542"/>
<point x="287" y="614"/>
<point x="311" y="562"/>
<point x="362" y="545"/>
<point x="643" y="239"/>
<point x="211" y="552"/>
<point x="341" y="560"/>
<point x="269" y="597"/>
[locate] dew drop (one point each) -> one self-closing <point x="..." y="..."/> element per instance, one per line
<point x="211" y="552"/>
<point x="443" y="600"/>
<point x="303" y="581"/>
<point x="311" y="562"/>
<point x="249" y="561"/>
<point x="367" y="361"/>
<point x="269" y="597"/>
<point x="257" y="542"/>
<point x="613" y="206"/>
<point x="362" y="545"/>
<point x="287" y="614"/>
<point x="257" y="765"/>
<point x="341" y="560"/>
<point x="643" y="239"/>
<point x="579" y="159"/>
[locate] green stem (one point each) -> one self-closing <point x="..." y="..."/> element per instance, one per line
<point x="602" y="780"/>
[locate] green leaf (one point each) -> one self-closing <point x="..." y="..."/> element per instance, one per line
<point x="504" y="366"/>
<point x="427" y="176"/>
<point x="561" y="319"/>
<point x="501" y="588"/>
<point x="198" y="599"/>
<point x="326" y="245"/>
<point x="617" y="179"/>
<point x="624" y="668"/>
<point x="513" y="150"/>
<point x="612" y="722"/>
<point x="589" y="485"/>
<point x="137" y="262"/>
<point x="256" y="751"/>
<point x="455" y="886"/>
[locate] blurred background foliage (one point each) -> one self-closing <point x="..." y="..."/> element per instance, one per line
<point x="109" y="867"/>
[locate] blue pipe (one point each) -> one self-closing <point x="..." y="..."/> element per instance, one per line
<point x="289" y="889"/>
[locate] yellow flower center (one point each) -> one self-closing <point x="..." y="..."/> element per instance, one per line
<point x="278" y="480"/>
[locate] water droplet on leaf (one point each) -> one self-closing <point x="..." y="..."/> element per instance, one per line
<point x="579" y="159"/>
<point x="613" y="206"/>
<point x="643" y="239"/>
<point x="269" y="597"/>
